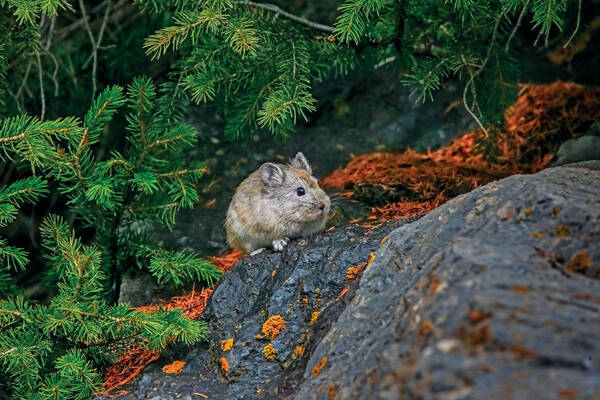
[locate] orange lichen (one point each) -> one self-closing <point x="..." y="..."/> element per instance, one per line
<point x="579" y="262"/>
<point x="561" y="230"/>
<point x="474" y="336"/>
<point x="371" y="259"/>
<point x="520" y="289"/>
<point x="426" y="327"/>
<point x="528" y="210"/>
<point x="353" y="272"/>
<point x="557" y="210"/>
<point x="269" y="352"/>
<point x="434" y="285"/>
<point x="383" y="240"/>
<point x="317" y="369"/>
<point x="331" y="391"/>
<point x="273" y="326"/>
<point x="227" y="345"/>
<point x="477" y="316"/>
<point x="568" y="393"/>
<point x="174" y="368"/>
<point x="273" y="272"/>
<point x="314" y="317"/>
<point x="541" y="119"/>
<point x="224" y="365"/>
<point x="522" y="352"/>
<point x="508" y="213"/>
<point x="298" y="351"/>
<point x="536" y="235"/>
<point x="225" y="261"/>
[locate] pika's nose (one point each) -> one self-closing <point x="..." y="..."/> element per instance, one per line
<point x="321" y="206"/>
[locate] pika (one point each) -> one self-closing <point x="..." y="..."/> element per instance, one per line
<point x="274" y="204"/>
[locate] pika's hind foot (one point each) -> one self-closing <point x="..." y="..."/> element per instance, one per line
<point x="257" y="251"/>
<point x="279" y="244"/>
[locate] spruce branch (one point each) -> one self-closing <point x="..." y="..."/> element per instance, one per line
<point x="517" y="25"/>
<point x="576" y="25"/>
<point x="278" y="11"/>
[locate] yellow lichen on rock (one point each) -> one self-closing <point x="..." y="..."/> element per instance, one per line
<point x="269" y="352"/>
<point x="371" y="258"/>
<point x="352" y="272"/>
<point x="273" y="326"/>
<point x="227" y="345"/>
<point x="314" y="317"/>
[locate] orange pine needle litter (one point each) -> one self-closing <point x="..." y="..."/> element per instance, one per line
<point x="225" y="261"/>
<point x="130" y="365"/>
<point x="541" y="119"/>
<point x="132" y="362"/>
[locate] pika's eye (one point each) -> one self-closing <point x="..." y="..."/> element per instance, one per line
<point x="300" y="191"/>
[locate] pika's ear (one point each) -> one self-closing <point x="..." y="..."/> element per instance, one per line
<point x="300" y="162"/>
<point x="271" y="174"/>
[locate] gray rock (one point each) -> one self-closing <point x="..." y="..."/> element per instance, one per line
<point x="584" y="148"/>
<point x="478" y="299"/>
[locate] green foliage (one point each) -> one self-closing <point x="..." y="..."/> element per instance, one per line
<point x="57" y="347"/>
<point x="120" y="168"/>
<point x="260" y="77"/>
<point x="258" y="62"/>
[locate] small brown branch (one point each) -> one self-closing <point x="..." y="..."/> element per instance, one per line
<point x="42" y="94"/>
<point x="94" y="47"/>
<point x="517" y="25"/>
<point x="576" y="25"/>
<point x="12" y="138"/>
<point x="278" y="11"/>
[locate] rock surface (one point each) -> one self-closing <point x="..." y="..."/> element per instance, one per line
<point x="495" y="294"/>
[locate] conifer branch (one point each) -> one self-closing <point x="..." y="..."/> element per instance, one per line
<point x="278" y="11"/>
<point x="576" y="25"/>
<point x="41" y="81"/>
<point x="517" y="25"/>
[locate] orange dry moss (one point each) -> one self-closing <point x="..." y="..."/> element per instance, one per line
<point x="227" y="345"/>
<point x="174" y="368"/>
<point x="317" y="369"/>
<point x="133" y="361"/>
<point x="225" y="261"/>
<point x="273" y="326"/>
<point x="269" y="352"/>
<point x="224" y="365"/>
<point x="541" y="119"/>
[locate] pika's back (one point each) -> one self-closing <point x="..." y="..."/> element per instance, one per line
<point x="275" y="203"/>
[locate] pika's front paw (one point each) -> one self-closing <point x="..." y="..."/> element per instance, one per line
<point x="279" y="244"/>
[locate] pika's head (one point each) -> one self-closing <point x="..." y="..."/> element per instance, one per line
<point x="296" y="192"/>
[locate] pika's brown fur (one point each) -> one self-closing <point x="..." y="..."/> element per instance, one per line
<point x="274" y="204"/>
